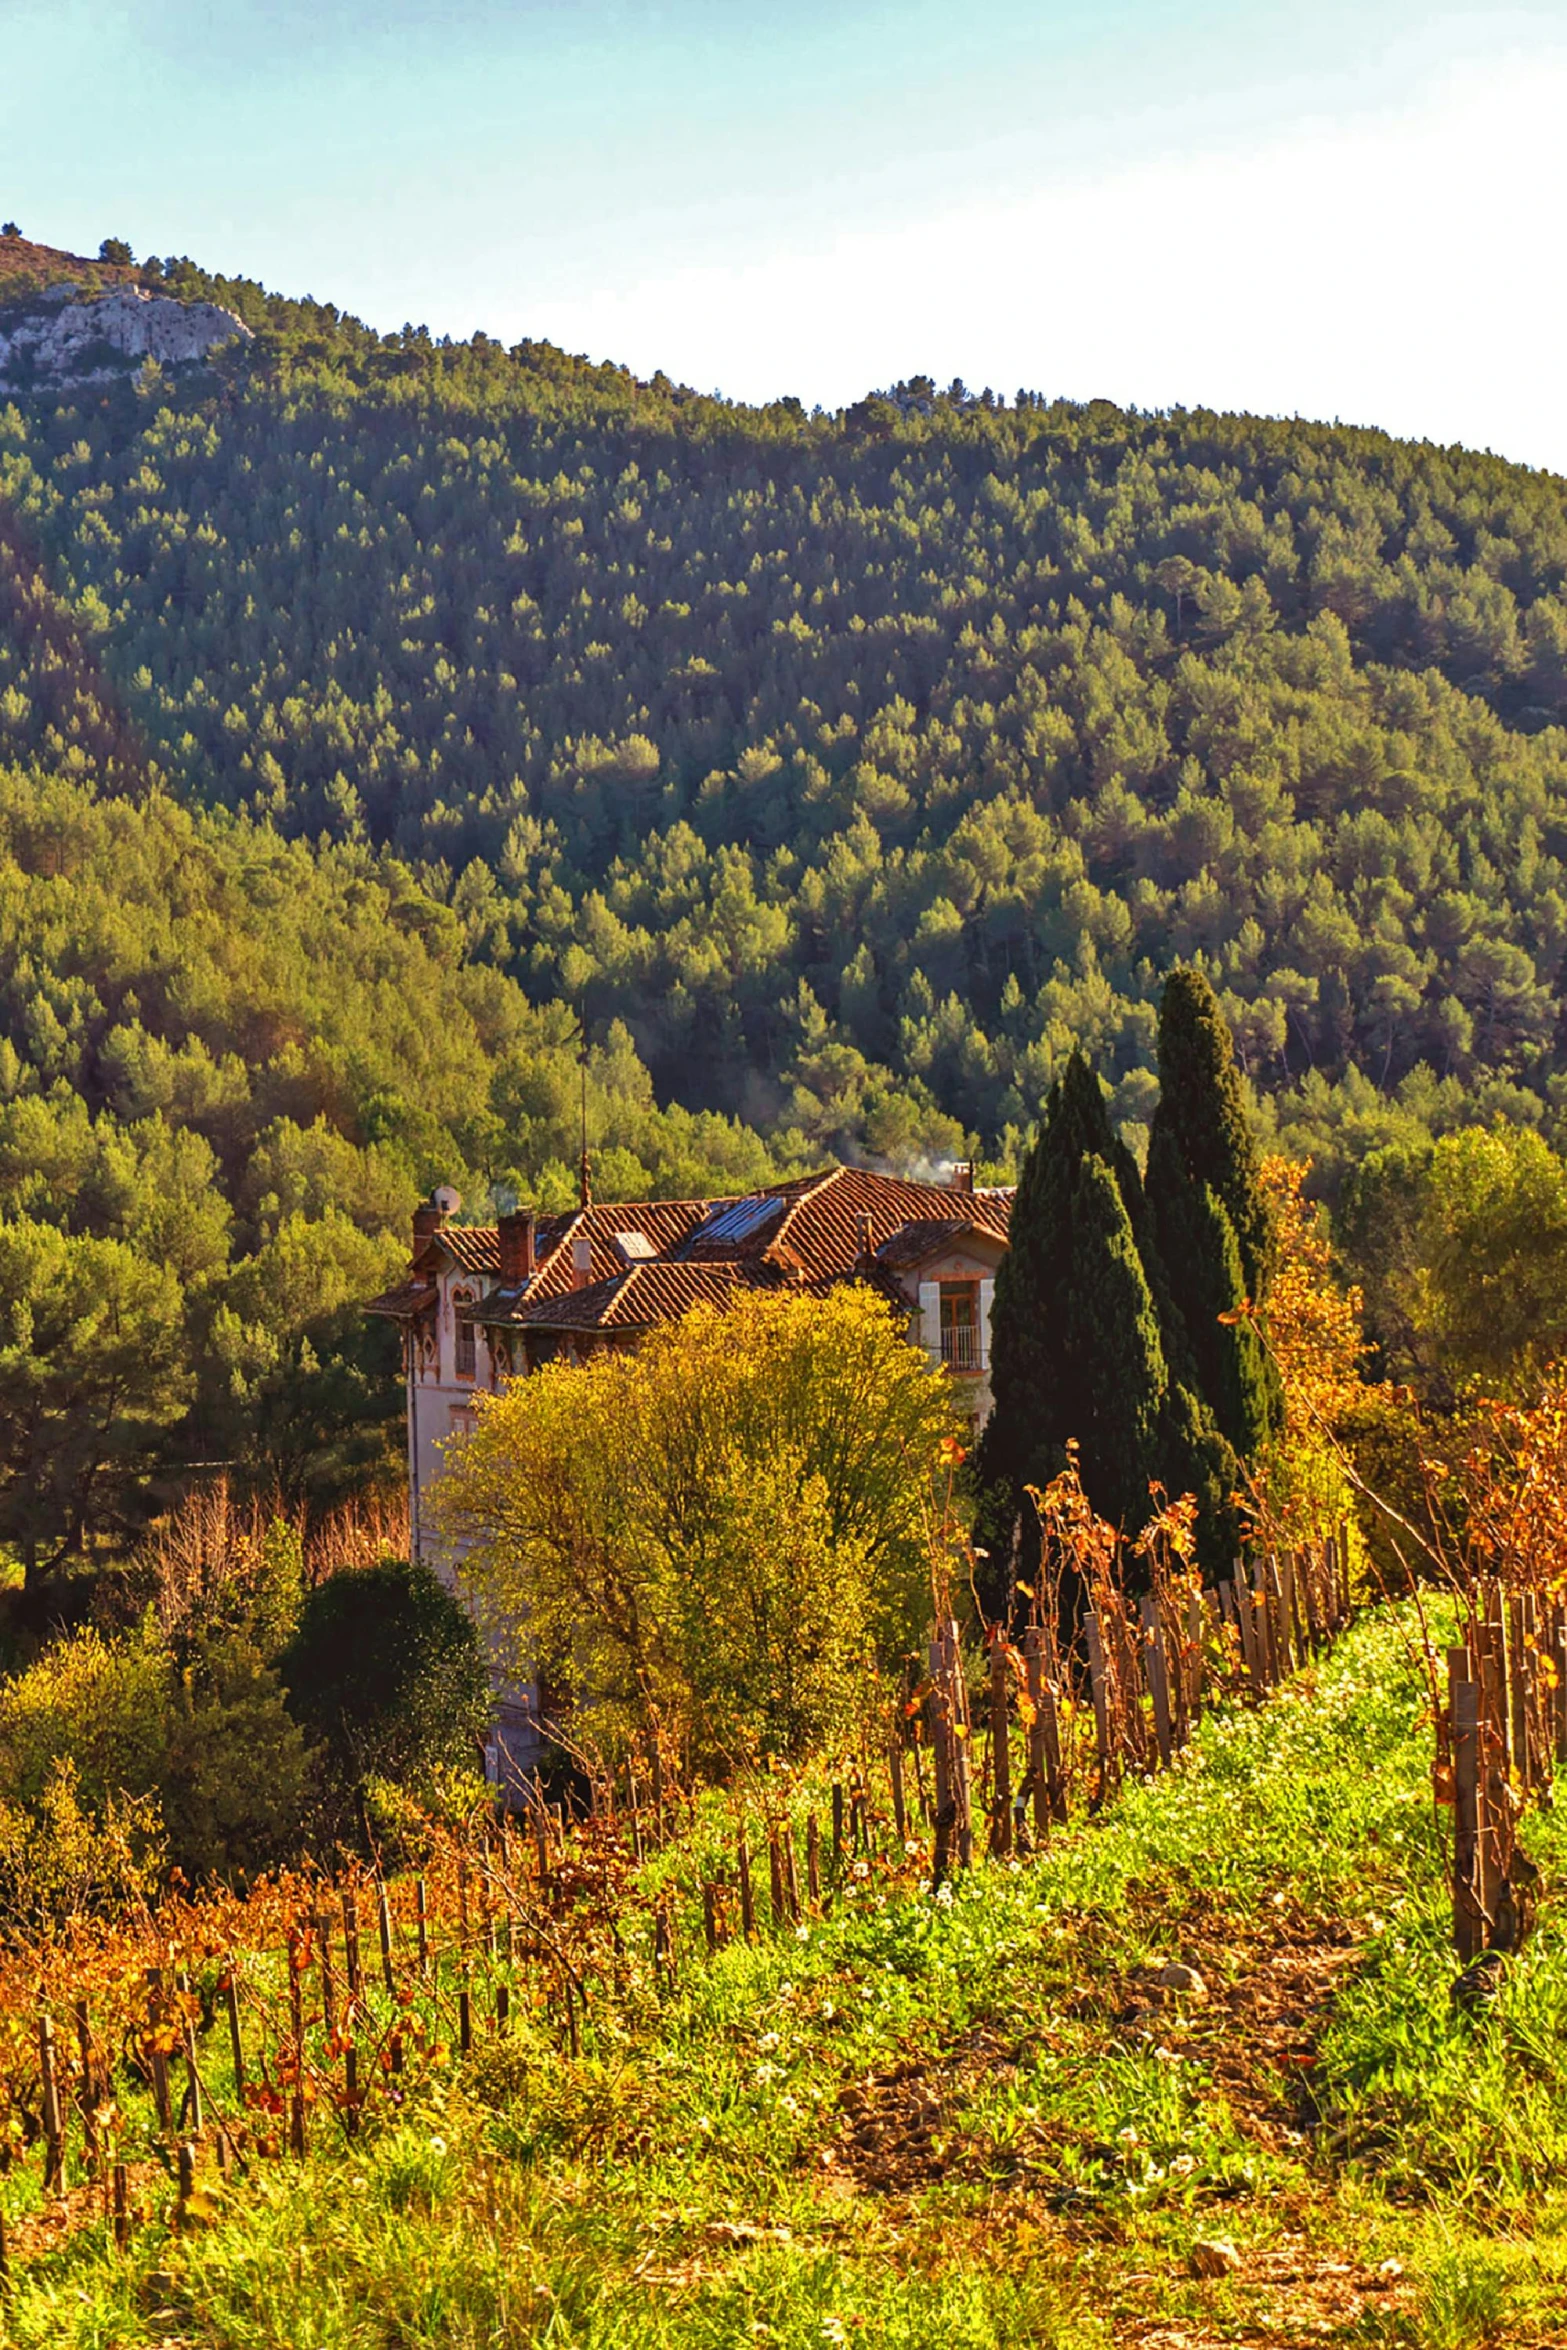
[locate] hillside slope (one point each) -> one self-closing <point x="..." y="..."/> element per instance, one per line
<point x="858" y="762"/>
<point x="975" y="2119"/>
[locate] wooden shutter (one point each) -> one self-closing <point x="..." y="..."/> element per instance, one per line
<point x="930" y="1318"/>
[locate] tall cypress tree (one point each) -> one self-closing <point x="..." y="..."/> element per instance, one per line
<point x="1203" y="1113"/>
<point x="1116" y="1377"/>
<point x="1075" y="1342"/>
<point x="1208" y="1228"/>
<point x="1119" y="1316"/>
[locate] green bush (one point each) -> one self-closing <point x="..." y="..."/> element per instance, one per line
<point x="205" y="1754"/>
<point x="385" y="1674"/>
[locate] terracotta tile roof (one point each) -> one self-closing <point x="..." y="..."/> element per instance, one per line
<point x="475" y="1247"/>
<point x="633" y="1299"/>
<point x="808" y="1231"/>
<point x="646" y="1294"/>
<point x="911" y="1244"/>
<point x="665" y="1222"/>
<point x="820" y="1223"/>
<point x="407" y="1300"/>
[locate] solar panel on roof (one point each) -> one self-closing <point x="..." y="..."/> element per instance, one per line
<point x="740" y="1219"/>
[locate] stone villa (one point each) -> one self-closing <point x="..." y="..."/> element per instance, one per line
<point x="482" y="1304"/>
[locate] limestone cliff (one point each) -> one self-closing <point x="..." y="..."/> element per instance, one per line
<point x="64" y="336"/>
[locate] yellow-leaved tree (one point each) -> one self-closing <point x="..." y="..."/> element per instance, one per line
<point x="718" y="1533"/>
<point x="1315" y="1335"/>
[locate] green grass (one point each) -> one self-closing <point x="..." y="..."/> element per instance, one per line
<point x="1042" y="2140"/>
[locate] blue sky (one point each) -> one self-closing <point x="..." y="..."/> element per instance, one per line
<point x="1323" y="208"/>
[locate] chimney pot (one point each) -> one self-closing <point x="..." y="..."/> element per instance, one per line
<point x="517" y="1248"/>
<point x="962" y="1176"/>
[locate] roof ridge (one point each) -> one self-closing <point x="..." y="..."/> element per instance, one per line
<point x="810" y="1191"/>
<point x="571" y="1217"/>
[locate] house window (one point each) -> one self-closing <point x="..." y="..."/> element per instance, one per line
<point x="960" y="1325"/>
<point x="465" y="1361"/>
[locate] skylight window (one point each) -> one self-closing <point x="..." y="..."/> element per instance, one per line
<point x="635" y="1248"/>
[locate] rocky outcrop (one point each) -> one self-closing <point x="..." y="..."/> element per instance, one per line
<point x="63" y="337"/>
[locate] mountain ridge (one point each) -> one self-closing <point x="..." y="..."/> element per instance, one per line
<point x="856" y="763"/>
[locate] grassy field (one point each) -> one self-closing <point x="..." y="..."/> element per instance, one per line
<point x="974" y="2121"/>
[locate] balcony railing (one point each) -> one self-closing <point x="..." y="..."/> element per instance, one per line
<point x="960" y="1347"/>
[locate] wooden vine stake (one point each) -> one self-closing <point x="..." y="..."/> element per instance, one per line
<point x="236" y="2042"/>
<point x="87" y="2089"/>
<point x="947" y="1718"/>
<point x="351" y="1950"/>
<point x="1099" y="1682"/>
<point x="193" y="2082"/>
<point x="900" y="1809"/>
<point x="747" y="1902"/>
<point x="53" y="2127"/>
<point x="296" y="2017"/>
<point x="158" y="2063"/>
<point x="383" y="1923"/>
<point x="1156" y="1668"/>
<point x="1000" y="1753"/>
<point x="324" y="1951"/>
<point x="791" y="1873"/>
<point x="1464" y="1712"/>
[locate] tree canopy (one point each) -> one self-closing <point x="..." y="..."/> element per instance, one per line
<point x="713" y="1537"/>
<point x="384" y="713"/>
<point x="859" y="764"/>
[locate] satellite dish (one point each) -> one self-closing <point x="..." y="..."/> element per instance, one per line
<point x="446" y="1199"/>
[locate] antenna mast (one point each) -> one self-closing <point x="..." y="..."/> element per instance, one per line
<point x="584" y="1164"/>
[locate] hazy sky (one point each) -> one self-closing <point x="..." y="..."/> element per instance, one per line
<point x="1339" y="209"/>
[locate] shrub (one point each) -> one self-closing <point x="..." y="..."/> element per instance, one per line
<point x="385" y="1672"/>
<point x="59" y="1859"/>
<point x="101" y="1704"/>
<point x="206" y="1756"/>
<point x="236" y="1772"/>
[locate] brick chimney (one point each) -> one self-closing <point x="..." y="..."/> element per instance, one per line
<point x="442" y="1202"/>
<point x="428" y="1219"/>
<point x="962" y="1176"/>
<point x="517" y="1252"/>
<point x="581" y="1260"/>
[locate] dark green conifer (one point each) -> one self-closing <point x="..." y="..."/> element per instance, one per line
<point x="1075" y="1345"/>
<point x="1115" y="1381"/>
<point x="1203" y="1112"/>
<point x="1208" y="1227"/>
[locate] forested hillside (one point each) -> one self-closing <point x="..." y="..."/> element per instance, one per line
<point x="857" y="762"/>
<point x="229" y="1065"/>
<point x="378" y="707"/>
